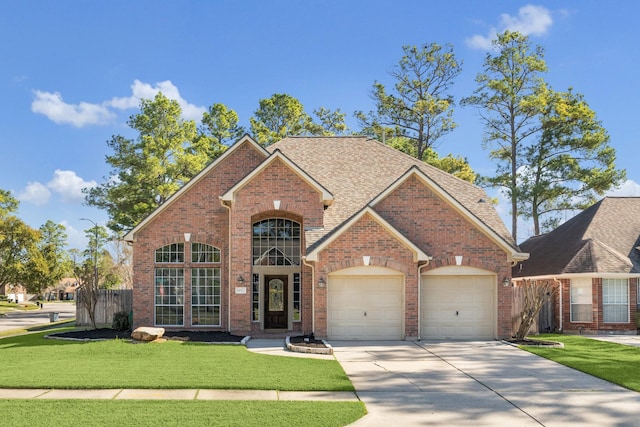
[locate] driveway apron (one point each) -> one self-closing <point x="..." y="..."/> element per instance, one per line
<point x="479" y="384"/>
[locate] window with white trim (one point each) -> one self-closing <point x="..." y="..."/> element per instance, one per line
<point x="276" y="242"/>
<point x="296" y="297"/>
<point x="205" y="297"/>
<point x="581" y="300"/>
<point x="203" y="253"/>
<point x="173" y="253"/>
<point x="255" y="297"/>
<point x="169" y="296"/>
<point x="615" y="300"/>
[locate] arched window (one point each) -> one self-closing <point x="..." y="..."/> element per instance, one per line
<point x="276" y="241"/>
<point x="202" y="253"/>
<point x="170" y="285"/>
<point x="173" y="253"/>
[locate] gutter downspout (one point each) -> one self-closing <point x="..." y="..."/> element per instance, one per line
<point x="560" y="309"/>
<point x="419" y="293"/>
<point x="313" y="294"/>
<point x="228" y="268"/>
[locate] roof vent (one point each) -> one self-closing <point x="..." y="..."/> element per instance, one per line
<point x="481" y="200"/>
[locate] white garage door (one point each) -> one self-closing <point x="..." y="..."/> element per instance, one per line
<point x="458" y="307"/>
<point x="365" y="308"/>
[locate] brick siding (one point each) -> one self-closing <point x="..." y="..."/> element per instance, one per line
<point x="413" y="209"/>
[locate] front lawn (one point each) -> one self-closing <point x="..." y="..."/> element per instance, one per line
<point x="616" y="363"/>
<point x="45" y="363"/>
<point x="35" y="328"/>
<point x="177" y="413"/>
<point x="22" y="306"/>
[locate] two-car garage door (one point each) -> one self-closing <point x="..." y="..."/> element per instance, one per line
<point x="455" y="303"/>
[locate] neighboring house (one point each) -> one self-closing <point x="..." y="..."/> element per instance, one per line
<point x="66" y="288"/>
<point x="344" y="237"/>
<point x="14" y="293"/>
<point x="594" y="260"/>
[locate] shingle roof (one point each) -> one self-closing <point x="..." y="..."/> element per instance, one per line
<point x="600" y="239"/>
<point x="356" y="169"/>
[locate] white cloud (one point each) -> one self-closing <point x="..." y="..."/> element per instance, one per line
<point x="76" y="237"/>
<point x="35" y="193"/>
<point x="53" y="107"/>
<point x="531" y="20"/>
<point x="628" y="189"/>
<point x="141" y="90"/>
<point x="69" y="185"/>
<point x="65" y="183"/>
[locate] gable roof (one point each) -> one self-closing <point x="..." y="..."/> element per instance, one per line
<point x="418" y="254"/>
<point x="457" y="206"/>
<point x="351" y="174"/>
<point x="245" y="140"/>
<point x="600" y="239"/>
<point x="325" y="195"/>
<point x="357" y="170"/>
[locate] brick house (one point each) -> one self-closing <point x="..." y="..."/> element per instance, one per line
<point x="14" y="293"/>
<point x="341" y="236"/>
<point x="594" y="261"/>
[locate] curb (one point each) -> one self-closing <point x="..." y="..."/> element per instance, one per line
<point x="301" y="349"/>
<point x="544" y="344"/>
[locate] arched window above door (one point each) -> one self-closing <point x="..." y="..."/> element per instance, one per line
<point x="276" y="242"/>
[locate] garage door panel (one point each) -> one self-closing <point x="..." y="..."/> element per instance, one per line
<point x="365" y="308"/>
<point x="458" y="307"/>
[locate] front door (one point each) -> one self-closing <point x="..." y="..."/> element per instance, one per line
<point x="275" y="302"/>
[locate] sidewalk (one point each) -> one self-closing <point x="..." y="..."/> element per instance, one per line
<point x="632" y="340"/>
<point x="177" y="394"/>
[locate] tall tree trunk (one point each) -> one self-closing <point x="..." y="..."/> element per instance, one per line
<point x="514" y="179"/>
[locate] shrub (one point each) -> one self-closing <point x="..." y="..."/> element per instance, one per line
<point x="120" y="321"/>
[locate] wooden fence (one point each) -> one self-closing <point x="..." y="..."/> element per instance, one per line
<point x="110" y="301"/>
<point x="544" y="322"/>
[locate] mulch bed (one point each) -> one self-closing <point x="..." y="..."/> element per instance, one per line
<point x="306" y="341"/>
<point x="191" y="336"/>
<point x="539" y="343"/>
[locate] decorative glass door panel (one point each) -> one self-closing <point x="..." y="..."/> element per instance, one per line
<point x="275" y="302"/>
<point x="276" y="295"/>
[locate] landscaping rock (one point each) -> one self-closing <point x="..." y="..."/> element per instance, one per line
<point x="145" y="333"/>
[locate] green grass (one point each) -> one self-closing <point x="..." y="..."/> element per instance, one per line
<point x="23" y="306"/>
<point x="42" y="327"/>
<point x="61" y="413"/>
<point x="45" y="363"/>
<point x="616" y="363"/>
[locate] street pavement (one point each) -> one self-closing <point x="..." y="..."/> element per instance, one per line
<point x="25" y="319"/>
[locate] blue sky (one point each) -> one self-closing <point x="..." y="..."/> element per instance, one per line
<point x="72" y="72"/>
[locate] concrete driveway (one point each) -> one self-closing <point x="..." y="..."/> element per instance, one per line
<point x="26" y="319"/>
<point x="478" y="384"/>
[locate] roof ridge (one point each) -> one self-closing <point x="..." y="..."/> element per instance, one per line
<point x="419" y="163"/>
<point x="584" y="246"/>
<point x="612" y="251"/>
